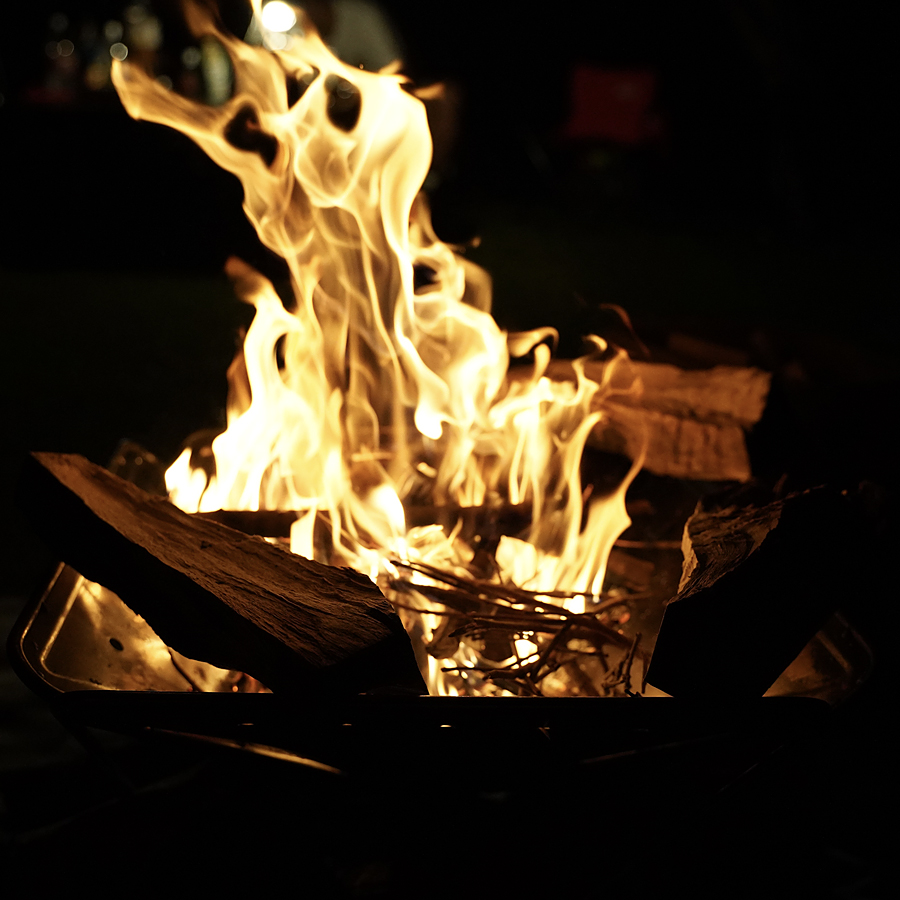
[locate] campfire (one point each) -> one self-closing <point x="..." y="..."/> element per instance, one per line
<point x="377" y="408"/>
<point x="382" y="427"/>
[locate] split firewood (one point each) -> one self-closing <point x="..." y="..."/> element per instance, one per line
<point x="706" y="353"/>
<point x="215" y="594"/>
<point x="692" y="423"/>
<point x="677" y="446"/>
<point x="757" y="584"/>
<point x="485" y="521"/>
<point x="723" y="394"/>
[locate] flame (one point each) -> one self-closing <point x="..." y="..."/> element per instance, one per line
<point x="370" y="396"/>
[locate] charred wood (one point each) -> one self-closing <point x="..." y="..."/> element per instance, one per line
<point x="215" y="594"/>
<point x="484" y="521"/>
<point x="757" y="583"/>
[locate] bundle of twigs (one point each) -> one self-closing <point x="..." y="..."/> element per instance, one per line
<point x="474" y="610"/>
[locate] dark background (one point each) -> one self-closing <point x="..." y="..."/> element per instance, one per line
<point x="756" y="212"/>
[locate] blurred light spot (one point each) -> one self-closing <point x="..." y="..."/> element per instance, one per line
<point x="217" y="72"/>
<point x="135" y="14"/>
<point x="190" y="57"/>
<point x="277" y="41"/>
<point x="165" y="81"/>
<point x="146" y="34"/>
<point x="96" y="76"/>
<point x="113" y="30"/>
<point x="66" y="48"/>
<point x="118" y="51"/>
<point x="59" y="22"/>
<point x="278" y="16"/>
<point x="52" y="49"/>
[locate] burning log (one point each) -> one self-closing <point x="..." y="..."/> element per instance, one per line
<point x="379" y="400"/>
<point x="694" y="421"/>
<point x="215" y="594"/>
<point x="757" y="584"/>
<point x="484" y="521"/>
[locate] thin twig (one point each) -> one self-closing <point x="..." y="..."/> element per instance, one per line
<point x="480" y="607"/>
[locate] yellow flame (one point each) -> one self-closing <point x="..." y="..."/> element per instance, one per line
<point x="368" y="392"/>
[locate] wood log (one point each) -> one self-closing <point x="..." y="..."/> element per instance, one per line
<point x="215" y="594"/>
<point x="688" y="347"/>
<point x="724" y="394"/>
<point x="677" y="446"/>
<point x="485" y="521"/>
<point x="692" y="423"/>
<point x="757" y="584"/>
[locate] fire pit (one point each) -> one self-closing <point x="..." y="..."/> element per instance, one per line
<point x="382" y="388"/>
<point x="98" y="664"/>
<point x="135" y="685"/>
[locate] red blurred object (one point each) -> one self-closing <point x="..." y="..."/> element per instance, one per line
<point x="613" y="105"/>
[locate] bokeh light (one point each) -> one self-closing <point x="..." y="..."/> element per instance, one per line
<point x="278" y="16"/>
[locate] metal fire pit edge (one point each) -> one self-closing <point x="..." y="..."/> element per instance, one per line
<point x="490" y="740"/>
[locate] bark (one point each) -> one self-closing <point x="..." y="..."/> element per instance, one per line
<point x="692" y="423"/>
<point x="215" y="594"/>
<point x="757" y="584"/>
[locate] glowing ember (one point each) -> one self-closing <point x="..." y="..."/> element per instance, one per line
<point x="371" y="397"/>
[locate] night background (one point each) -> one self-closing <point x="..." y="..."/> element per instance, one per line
<point x="722" y="171"/>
